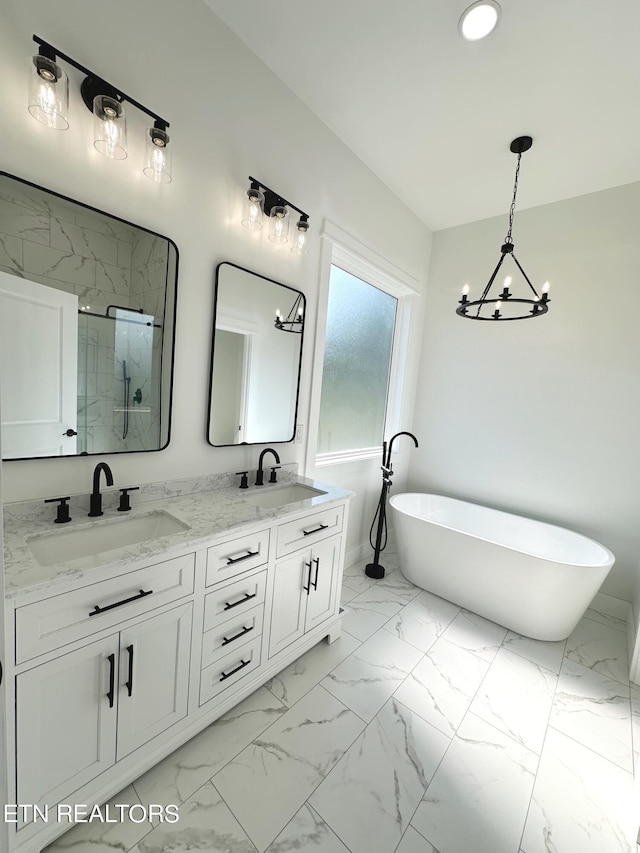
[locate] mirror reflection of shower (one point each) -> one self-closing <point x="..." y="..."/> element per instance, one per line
<point x="119" y="351"/>
<point x="126" y="382"/>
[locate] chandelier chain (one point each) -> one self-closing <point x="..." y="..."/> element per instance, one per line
<point x="512" y="209"/>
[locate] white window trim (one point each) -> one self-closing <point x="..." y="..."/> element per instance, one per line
<point x="340" y="249"/>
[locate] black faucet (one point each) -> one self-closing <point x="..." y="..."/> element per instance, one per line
<point x="387" y="468"/>
<point x="95" y="505"/>
<point x="259" y="472"/>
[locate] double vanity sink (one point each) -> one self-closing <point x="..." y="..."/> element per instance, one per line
<point x="226" y="586"/>
<point x="100" y="541"/>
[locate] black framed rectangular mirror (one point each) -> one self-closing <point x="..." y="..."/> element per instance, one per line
<point x="87" y="328"/>
<point x="256" y="354"/>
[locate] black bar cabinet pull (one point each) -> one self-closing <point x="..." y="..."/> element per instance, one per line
<point x="314" y="583"/>
<point x="314" y="530"/>
<point x="129" y="683"/>
<point x="307" y="588"/>
<point x="243" y="663"/>
<point x="250" y="553"/>
<point x="141" y="594"/>
<point x="227" y="640"/>
<point x="112" y="679"/>
<point x="247" y="597"/>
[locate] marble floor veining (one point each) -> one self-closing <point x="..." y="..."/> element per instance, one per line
<point x="423" y="729"/>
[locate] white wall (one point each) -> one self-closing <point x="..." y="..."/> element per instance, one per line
<point x="541" y="417"/>
<point x="230" y="117"/>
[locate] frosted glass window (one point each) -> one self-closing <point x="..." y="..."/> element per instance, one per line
<point x="357" y="362"/>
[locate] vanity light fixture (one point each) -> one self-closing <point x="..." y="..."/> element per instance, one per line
<point x="479" y="19"/>
<point x="505" y="306"/>
<point x="279" y="227"/>
<point x="260" y="199"/>
<point x="253" y="206"/>
<point x="49" y="102"/>
<point x="300" y="242"/>
<point x="294" y="321"/>
<point x="49" y="90"/>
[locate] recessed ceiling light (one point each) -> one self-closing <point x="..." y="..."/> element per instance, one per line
<point x="479" y="20"/>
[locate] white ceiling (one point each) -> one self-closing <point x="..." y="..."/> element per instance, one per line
<point x="433" y="115"/>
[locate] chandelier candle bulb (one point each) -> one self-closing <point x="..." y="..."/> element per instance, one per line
<point x="465" y="293"/>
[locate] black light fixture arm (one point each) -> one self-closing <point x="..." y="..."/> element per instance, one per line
<point x="272" y="199"/>
<point x="97" y="85"/>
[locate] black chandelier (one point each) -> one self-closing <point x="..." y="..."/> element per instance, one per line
<point x="294" y="321"/>
<point x="506" y="306"/>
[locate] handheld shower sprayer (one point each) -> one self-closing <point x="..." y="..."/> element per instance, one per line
<point x="375" y="570"/>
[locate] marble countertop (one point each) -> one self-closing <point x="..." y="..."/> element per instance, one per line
<point x="208" y="514"/>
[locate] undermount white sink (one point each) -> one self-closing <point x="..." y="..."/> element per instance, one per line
<point x="62" y="546"/>
<point x="282" y="495"/>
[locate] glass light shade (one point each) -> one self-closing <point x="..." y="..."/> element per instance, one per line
<point x="301" y="239"/>
<point x="109" y="127"/>
<point x="157" y="164"/>
<point x="49" y="93"/>
<point x="279" y="228"/>
<point x="252" y="212"/>
<point x="479" y="20"/>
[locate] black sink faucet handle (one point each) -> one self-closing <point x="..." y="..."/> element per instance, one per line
<point x="63" y="509"/>
<point x="125" y="503"/>
<point x="244" y="482"/>
<point x="273" y="477"/>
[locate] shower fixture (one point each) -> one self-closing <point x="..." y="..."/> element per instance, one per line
<point x="125" y="399"/>
<point x="506" y="306"/>
<point x="49" y="104"/>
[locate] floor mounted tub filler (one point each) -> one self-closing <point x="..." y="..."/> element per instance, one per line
<point x="534" y="578"/>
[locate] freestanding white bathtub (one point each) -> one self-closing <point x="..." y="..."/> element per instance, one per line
<point x="534" y="578"/>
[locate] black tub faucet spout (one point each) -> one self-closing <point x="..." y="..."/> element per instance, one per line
<point x="387" y="461"/>
<point x="260" y="472"/>
<point x="95" y="501"/>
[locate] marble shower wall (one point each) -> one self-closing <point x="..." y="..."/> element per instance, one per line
<point x="103" y="262"/>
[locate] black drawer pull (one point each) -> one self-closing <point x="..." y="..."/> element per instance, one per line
<point x="307" y="588"/>
<point x="112" y="679"/>
<point x="141" y="594"/>
<point x="247" y="597"/>
<point x="227" y="640"/>
<point x="243" y="663"/>
<point x="314" y="583"/>
<point x="129" y="683"/>
<point x="314" y="530"/>
<point x="250" y="553"/>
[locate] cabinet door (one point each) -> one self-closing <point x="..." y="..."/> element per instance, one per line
<point x="289" y="601"/>
<point x="154" y="677"/>
<point x="66" y="722"/>
<point x="321" y="603"/>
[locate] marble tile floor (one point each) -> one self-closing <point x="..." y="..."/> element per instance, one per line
<point x="423" y="729"/>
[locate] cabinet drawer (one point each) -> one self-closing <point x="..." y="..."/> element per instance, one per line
<point x="305" y="531"/>
<point x="227" y="559"/>
<point x="234" y="599"/>
<point x="229" y="669"/>
<point x="224" y="639"/>
<point x="62" y="619"/>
